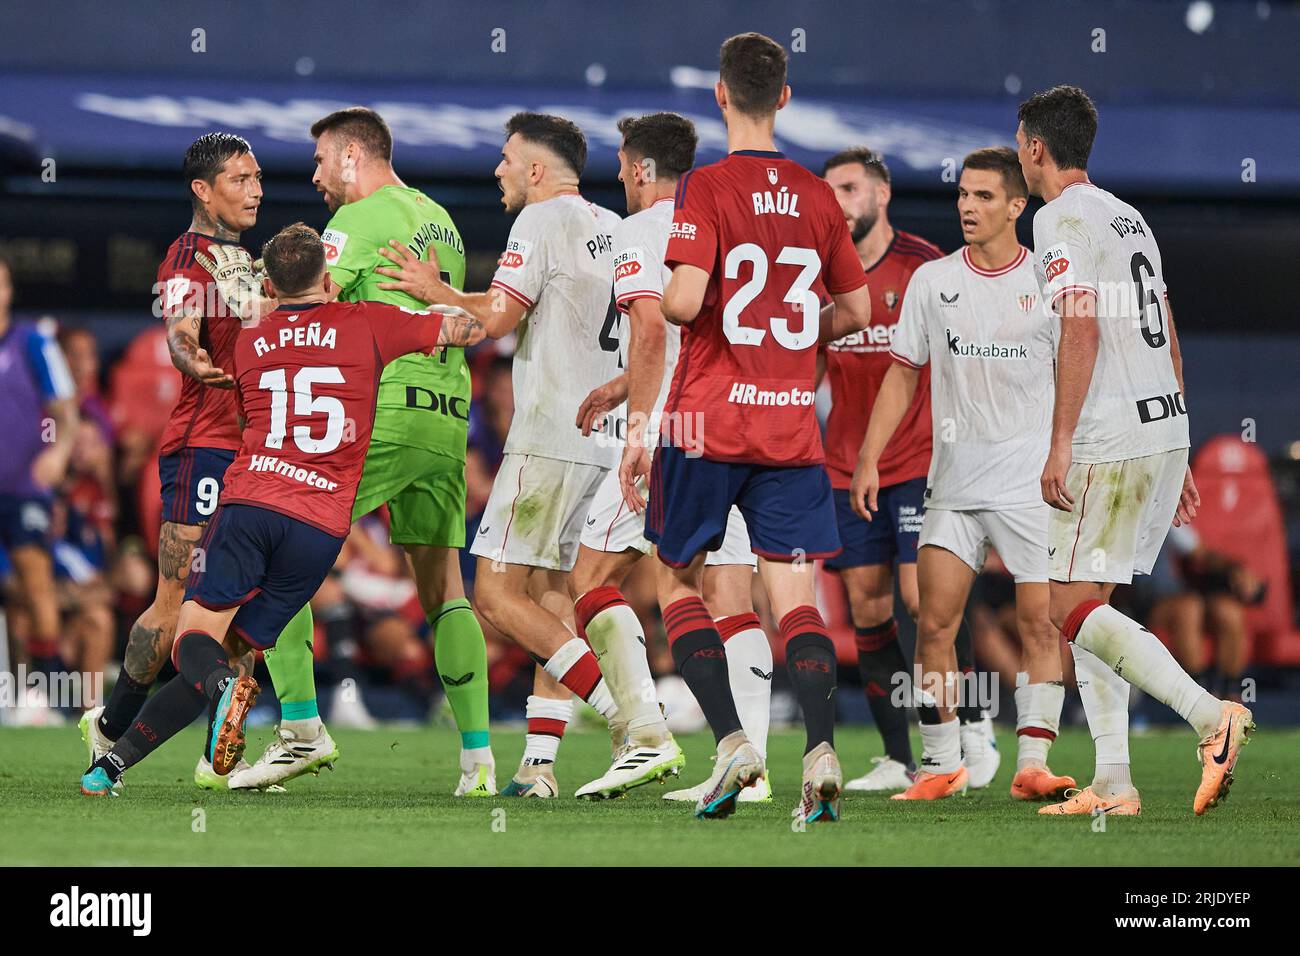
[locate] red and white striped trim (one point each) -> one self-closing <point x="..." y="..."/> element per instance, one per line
<point x="625" y="300"/>
<point x="1071" y="288"/>
<point x="515" y="294"/>
<point x="993" y="273"/>
<point x="903" y="361"/>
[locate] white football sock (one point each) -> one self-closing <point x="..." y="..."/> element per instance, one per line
<point x="1138" y="656"/>
<point x="749" y="669"/>
<point x="1038" y="720"/>
<point x="1105" y="703"/>
<point x="543" y="747"/>
<point x="1111" y="779"/>
<point x="618" y="641"/>
<point x="305" y="729"/>
<point x="941" y="747"/>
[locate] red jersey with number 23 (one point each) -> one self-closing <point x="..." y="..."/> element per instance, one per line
<point x="307" y="378"/>
<point x="771" y="235"/>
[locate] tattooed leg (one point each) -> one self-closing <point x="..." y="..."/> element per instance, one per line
<point x="150" y="640"/>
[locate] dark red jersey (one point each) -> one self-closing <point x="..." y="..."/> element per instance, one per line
<point x="771" y="235"/>
<point x="306" y="377"/>
<point x="856" y="365"/>
<point x="204" y="417"/>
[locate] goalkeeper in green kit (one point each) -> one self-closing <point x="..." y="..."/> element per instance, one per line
<point x="416" y="462"/>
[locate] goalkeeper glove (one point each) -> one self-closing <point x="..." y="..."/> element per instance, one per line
<point x="231" y="268"/>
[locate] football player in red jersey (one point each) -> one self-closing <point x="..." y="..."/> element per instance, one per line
<point x="753" y="237"/>
<point x="224" y="184"/>
<point x="288" y="498"/>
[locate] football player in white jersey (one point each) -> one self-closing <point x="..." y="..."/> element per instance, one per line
<point x="656" y="150"/>
<point x="1116" y="471"/>
<point x="552" y="289"/>
<point x="975" y="318"/>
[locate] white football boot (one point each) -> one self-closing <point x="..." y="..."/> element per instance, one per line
<point x="887" y="774"/>
<point x="533" y="780"/>
<point x="738" y="764"/>
<point x="635" y="765"/>
<point x="96" y="743"/>
<point x="205" y="778"/>
<point x="479" y="782"/>
<point x="979" y="752"/>
<point x="286" y="757"/>
<point x="823" y="783"/>
<point x="760" y="791"/>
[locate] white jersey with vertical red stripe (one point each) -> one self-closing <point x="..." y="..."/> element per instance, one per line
<point x="559" y="264"/>
<point x="990" y="346"/>
<point x="640" y="242"/>
<point x="1087" y="240"/>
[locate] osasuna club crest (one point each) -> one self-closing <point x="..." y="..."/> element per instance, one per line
<point x="771" y="175"/>
<point x="1027" y="301"/>
<point x="891" y="299"/>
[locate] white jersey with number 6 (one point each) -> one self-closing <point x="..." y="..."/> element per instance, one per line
<point x="1087" y="240"/>
<point x="559" y="263"/>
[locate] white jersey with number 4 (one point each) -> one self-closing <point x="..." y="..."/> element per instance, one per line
<point x="990" y="345"/>
<point x="640" y="242"/>
<point x="558" y="264"/>
<point x="1087" y="240"/>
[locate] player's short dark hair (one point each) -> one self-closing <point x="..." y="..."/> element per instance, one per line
<point x="669" y="139"/>
<point x="868" y="159"/>
<point x="561" y="136"/>
<point x="1065" y="119"/>
<point x="1000" y="159"/>
<point x="360" y="125"/>
<point x="294" y="258"/>
<point x="752" y="67"/>
<point x="208" y="155"/>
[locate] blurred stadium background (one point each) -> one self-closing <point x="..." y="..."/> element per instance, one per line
<point x="1200" y="127"/>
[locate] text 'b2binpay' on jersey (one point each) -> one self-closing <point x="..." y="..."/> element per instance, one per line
<point x="559" y="264"/>
<point x="1086" y="239"/>
<point x="990" y="345"/>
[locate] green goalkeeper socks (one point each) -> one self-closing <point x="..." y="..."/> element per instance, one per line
<point x="461" y="657"/>
<point x="291" y="665"/>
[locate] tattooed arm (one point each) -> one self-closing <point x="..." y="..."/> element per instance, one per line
<point x="459" y="328"/>
<point x="187" y="355"/>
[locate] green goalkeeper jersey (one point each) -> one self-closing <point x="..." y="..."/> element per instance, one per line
<point x="423" y="399"/>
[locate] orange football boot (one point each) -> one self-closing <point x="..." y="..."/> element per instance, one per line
<point x="1087" y="802"/>
<point x="1218" y="755"/>
<point x="1039" y="783"/>
<point x="935" y="786"/>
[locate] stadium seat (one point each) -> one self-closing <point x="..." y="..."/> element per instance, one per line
<point x="1240" y="517"/>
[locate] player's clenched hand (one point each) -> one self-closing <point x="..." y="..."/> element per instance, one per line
<point x="202" y="368"/>
<point x="599" y="401"/>
<point x="1052" y="481"/>
<point x="231" y="268"/>
<point x="416" y="277"/>
<point x="631" y="470"/>
<point x="864" y="488"/>
<point x="1188" y="502"/>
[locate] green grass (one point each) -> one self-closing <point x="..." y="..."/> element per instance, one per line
<point x="388" y="803"/>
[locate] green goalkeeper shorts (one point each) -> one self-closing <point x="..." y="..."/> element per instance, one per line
<point x="424" y="491"/>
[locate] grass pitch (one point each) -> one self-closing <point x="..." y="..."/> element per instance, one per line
<point x="388" y="803"/>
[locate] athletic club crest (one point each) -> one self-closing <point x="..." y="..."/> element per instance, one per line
<point x="1027" y="302"/>
<point x="891" y="299"/>
<point x="771" y="175"/>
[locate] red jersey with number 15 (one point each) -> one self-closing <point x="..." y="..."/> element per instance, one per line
<point x="771" y="235"/>
<point x="856" y="365"/>
<point x="307" y="378"/>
